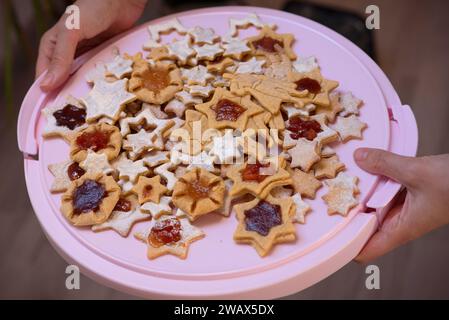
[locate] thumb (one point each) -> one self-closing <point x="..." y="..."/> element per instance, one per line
<point x="380" y="162"/>
<point x="61" y="58"/>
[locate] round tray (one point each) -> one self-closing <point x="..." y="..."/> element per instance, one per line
<point x="216" y="266"/>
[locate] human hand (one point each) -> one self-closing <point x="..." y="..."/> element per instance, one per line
<point x="99" y="20"/>
<point x="420" y="208"/>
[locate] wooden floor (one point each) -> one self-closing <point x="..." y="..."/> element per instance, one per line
<point x="413" y="50"/>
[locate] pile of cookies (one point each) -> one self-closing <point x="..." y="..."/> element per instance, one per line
<point x="204" y="124"/>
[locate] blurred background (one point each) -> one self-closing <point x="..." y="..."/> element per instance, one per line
<point x="412" y="47"/>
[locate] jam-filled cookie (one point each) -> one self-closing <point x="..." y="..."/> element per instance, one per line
<point x="100" y="138"/>
<point x="90" y="199"/>
<point x="155" y="83"/>
<point x="199" y="192"/>
<point x="262" y="223"/>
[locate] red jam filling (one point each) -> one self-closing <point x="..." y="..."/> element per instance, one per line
<point x="308" y="84"/>
<point x="147" y="190"/>
<point x="251" y="172"/>
<point x="156" y="79"/>
<point x="267" y="44"/>
<point x="70" y="116"/>
<point x="227" y="110"/>
<point x="123" y="205"/>
<point x="196" y="190"/>
<point x="74" y="171"/>
<point x="95" y="140"/>
<point x="165" y="232"/>
<point x="263" y="217"/>
<point x="88" y="196"/>
<point x="300" y="128"/>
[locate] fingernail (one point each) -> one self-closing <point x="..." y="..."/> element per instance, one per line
<point x="361" y="154"/>
<point x="48" y="79"/>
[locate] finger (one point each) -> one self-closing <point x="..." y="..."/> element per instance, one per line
<point x="396" y="167"/>
<point x="46" y="47"/>
<point x="392" y="234"/>
<point x="62" y="57"/>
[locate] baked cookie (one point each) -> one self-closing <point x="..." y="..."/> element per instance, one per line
<point x="262" y="222"/>
<point x="100" y="138"/>
<point x="90" y="199"/>
<point x="198" y="192"/>
<point x="156" y="83"/>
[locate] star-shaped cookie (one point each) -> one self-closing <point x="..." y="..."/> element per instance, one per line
<point x="202" y="160"/>
<point x="305" y="183"/>
<point x="187" y="234"/>
<point x="107" y="99"/>
<point x="235" y="48"/>
<point x="305" y="64"/>
<point x="96" y="162"/>
<point x="304" y="154"/>
<point x="196" y="75"/>
<point x="187" y="98"/>
<point x="66" y="130"/>
<point x="225" y="148"/>
<point x="263" y="243"/>
<point x="139" y="142"/>
<point x="201" y="91"/>
<point x="208" y="51"/>
<point x="198" y="192"/>
<point x="318" y="88"/>
<point x="339" y="201"/>
<point x="203" y="35"/>
<point x="60" y="171"/>
<point x="181" y="50"/>
<point x="174" y="24"/>
<point x="340" y="197"/>
<point x="277" y="176"/>
<point x="147" y="117"/>
<point x="349" y="128"/>
<point x="332" y="109"/>
<point x="155" y="158"/>
<point x="268" y="42"/>
<point x="292" y="111"/>
<point x="251" y="66"/>
<point x="98" y="73"/>
<point x="149" y="189"/>
<point x="301" y="208"/>
<point x="350" y="104"/>
<point x="344" y="180"/>
<point x="240" y="109"/>
<point x="119" y="67"/>
<point x="328" y="167"/>
<point x="158" y="209"/>
<point x="129" y="169"/>
<point x="123" y="221"/>
<point x="251" y="19"/>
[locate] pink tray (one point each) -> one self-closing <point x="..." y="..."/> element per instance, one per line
<point x="217" y="267"/>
